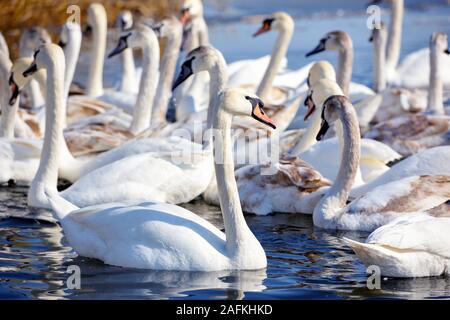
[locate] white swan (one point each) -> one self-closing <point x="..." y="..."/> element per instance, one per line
<point x="409" y="134"/>
<point x="324" y="156"/>
<point x="169" y="170"/>
<point x="408" y="247"/>
<point x="3" y="45"/>
<point x="30" y="40"/>
<point x="160" y="236"/>
<point x="384" y="203"/>
<point x="414" y="69"/>
<point x="130" y="75"/>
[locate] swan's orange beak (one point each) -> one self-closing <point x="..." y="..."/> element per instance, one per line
<point x="309" y="103"/>
<point x="259" y="115"/>
<point x="184" y="16"/>
<point x="265" y="28"/>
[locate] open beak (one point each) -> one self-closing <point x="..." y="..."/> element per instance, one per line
<point x="121" y="46"/>
<point x="320" y="47"/>
<point x="31" y="70"/>
<point x="185" y="15"/>
<point x="259" y="115"/>
<point x="14" y="90"/>
<point x="265" y="28"/>
<point x="309" y="103"/>
<point x="186" y="72"/>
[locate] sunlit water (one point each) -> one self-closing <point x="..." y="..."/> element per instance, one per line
<point x="303" y="261"/>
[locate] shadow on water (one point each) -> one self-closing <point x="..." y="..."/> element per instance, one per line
<point x="303" y="262"/>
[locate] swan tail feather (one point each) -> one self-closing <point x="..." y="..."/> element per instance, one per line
<point x="371" y="254"/>
<point x="60" y="206"/>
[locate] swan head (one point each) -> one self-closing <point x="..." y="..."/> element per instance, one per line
<point x="32" y="39"/>
<point x="330" y="112"/>
<point x="168" y="27"/>
<point x="191" y="9"/>
<point x="47" y="56"/>
<point x="139" y="37"/>
<point x="319" y="93"/>
<point x="124" y="21"/>
<point x="97" y="18"/>
<point x="71" y="31"/>
<point x="439" y="42"/>
<point x="279" y="21"/>
<point x="379" y="35"/>
<point x="16" y="80"/>
<point x="204" y="58"/>
<point x="320" y="70"/>
<point x="239" y="102"/>
<point x="335" y="40"/>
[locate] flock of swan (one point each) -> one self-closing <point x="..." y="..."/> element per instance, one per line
<point x="353" y="157"/>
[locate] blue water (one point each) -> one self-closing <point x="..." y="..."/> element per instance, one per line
<point x="303" y="261"/>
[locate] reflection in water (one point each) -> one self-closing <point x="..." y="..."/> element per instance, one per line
<point x="304" y="262"/>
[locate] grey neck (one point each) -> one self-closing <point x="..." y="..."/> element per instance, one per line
<point x="379" y="63"/>
<point x="395" y="35"/>
<point x="435" y="90"/>
<point x="345" y="67"/>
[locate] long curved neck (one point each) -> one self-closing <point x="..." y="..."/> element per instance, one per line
<point x="95" y="78"/>
<point x="278" y="53"/>
<point x="219" y="78"/>
<point x="167" y="74"/>
<point x="4" y="45"/>
<point x="72" y="53"/>
<point x="435" y="90"/>
<point x="345" y="67"/>
<point x="142" y="111"/>
<point x="236" y="229"/>
<point x="337" y="195"/>
<point x="47" y="174"/>
<point x="128" y="71"/>
<point x="379" y="64"/>
<point x="395" y="35"/>
<point x="197" y="34"/>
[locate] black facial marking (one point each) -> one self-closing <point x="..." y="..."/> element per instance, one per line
<point x="186" y="72"/>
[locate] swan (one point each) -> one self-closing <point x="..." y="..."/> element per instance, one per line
<point x="130" y="76"/>
<point x="30" y="40"/>
<point x="189" y="97"/>
<point x="381" y="205"/>
<point x="341" y="42"/>
<point x="324" y="155"/>
<point x="408" y="247"/>
<point x="171" y="30"/>
<point x="409" y="134"/>
<point x="173" y="171"/>
<point x="155" y="235"/>
<point x="413" y="71"/>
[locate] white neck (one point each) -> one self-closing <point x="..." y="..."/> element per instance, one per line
<point x="142" y="111"/>
<point x="72" y="53"/>
<point x="167" y="74"/>
<point x="47" y="174"/>
<point x="345" y="67"/>
<point x="95" y="78"/>
<point x="278" y="53"/>
<point x="128" y="71"/>
<point x="4" y="45"/>
<point x="379" y="62"/>
<point x="395" y="35"/>
<point x="219" y="78"/>
<point x="239" y="238"/>
<point x="8" y="112"/>
<point x="328" y="208"/>
<point x="197" y="36"/>
<point x="435" y="90"/>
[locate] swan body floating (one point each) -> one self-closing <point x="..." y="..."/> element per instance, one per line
<point x="408" y="247"/>
<point x="154" y="235"/>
